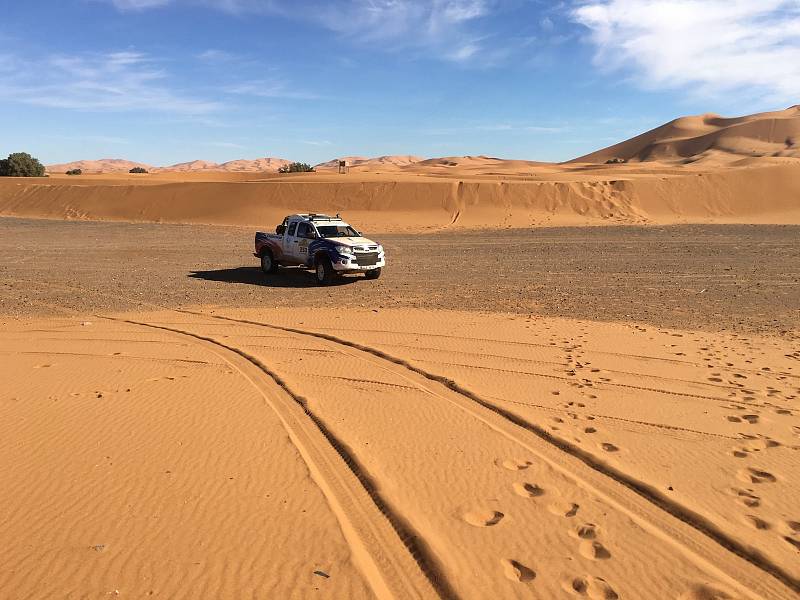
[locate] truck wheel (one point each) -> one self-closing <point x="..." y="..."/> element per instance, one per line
<point x="268" y="264"/>
<point x="373" y="274"/>
<point x="324" y="272"/>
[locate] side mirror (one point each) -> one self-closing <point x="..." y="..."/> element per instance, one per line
<point x="280" y="229"/>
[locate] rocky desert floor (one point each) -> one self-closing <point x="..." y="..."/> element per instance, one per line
<point x="561" y="413"/>
<point x="715" y="277"/>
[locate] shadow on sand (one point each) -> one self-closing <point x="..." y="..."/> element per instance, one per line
<point x="284" y="278"/>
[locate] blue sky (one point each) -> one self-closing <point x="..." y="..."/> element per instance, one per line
<point x="165" y="81"/>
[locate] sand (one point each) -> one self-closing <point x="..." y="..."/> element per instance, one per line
<point x="430" y="199"/>
<point x="229" y="453"/>
<point x="696" y="169"/>
<point x="512" y="410"/>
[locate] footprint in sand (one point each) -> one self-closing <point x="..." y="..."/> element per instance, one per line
<point x="757" y="522"/>
<point x="44" y="366"/>
<point x="587" y="531"/>
<point x="756" y="476"/>
<point x="792" y="541"/>
<point x="590" y="587"/>
<point x="589" y="430"/>
<point x="484" y="518"/>
<point x="564" y="509"/>
<point x="516" y="465"/>
<point x="702" y="591"/>
<point x="527" y="490"/>
<point x="752" y="419"/>
<point x="748" y="498"/>
<point x="594" y="550"/>
<point x="609" y="447"/>
<point x="516" y="571"/>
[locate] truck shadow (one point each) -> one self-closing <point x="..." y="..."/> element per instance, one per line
<point x="284" y="278"/>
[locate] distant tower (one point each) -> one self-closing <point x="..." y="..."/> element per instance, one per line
<point x="343" y="168"/>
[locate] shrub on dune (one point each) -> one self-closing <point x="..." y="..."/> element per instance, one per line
<point x="21" y="164"/>
<point x="296" y="167"/>
<point x="138" y="170"/>
<point x="74" y="172"/>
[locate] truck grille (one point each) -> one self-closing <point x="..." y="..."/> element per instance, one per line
<point x="366" y="259"/>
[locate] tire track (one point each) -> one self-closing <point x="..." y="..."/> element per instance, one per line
<point x="673" y="532"/>
<point x="394" y="559"/>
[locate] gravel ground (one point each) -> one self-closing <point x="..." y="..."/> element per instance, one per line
<point x="714" y="277"/>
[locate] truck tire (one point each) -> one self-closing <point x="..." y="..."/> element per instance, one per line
<point x="373" y="274"/>
<point x="268" y="264"/>
<point x="324" y="271"/>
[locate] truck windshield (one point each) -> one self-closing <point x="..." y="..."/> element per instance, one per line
<point x="334" y="231"/>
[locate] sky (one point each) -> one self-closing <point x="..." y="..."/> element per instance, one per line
<point x="167" y="81"/>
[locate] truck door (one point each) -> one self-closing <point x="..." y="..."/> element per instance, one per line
<point x="305" y="234"/>
<point x="290" y="242"/>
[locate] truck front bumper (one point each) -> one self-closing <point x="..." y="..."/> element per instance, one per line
<point x="357" y="264"/>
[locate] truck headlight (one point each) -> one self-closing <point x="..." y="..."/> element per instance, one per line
<point x="343" y="250"/>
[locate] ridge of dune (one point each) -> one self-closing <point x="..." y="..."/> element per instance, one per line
<point x="102" y="165"/>
<point x="120" y="165"/>
<point x="710" y="138"/>
<point x="389" y="160"/>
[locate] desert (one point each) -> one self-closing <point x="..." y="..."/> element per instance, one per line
<point x="397" y="299"/>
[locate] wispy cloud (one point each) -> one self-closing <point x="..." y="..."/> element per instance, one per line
<point x="116" y="81"/>
<point x="269" y="89"/>
<point x="509" y="128"/>
<point x="317" y="142"/>
<point x="444" y="29"/>
<point x="139" y="4"/>
<point x="213" y="55"/>
<point x="230" y="145"/>
<point x="710" y="47"/>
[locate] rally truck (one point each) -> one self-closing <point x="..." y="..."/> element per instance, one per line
<point x="326" y="244"/>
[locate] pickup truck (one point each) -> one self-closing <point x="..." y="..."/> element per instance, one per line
<point x="326" y="244"/>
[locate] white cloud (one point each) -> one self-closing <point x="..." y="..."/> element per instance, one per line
<point x="116" y="81"/>
<point x="139" y="4"/>
<point x="213" y="55"/>
<point x="269" y="89"/>
<point x="439" y="27"/>
<point x="710" y="47"/>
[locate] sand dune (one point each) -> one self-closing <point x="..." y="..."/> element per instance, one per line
<point x="362" y="163"/>
<point x="116" y="165"/>
<point x="694" y="169"/>
<point x="767" y="191"/>
<point x="712" y="139"/>
<point x="395" y="454"/>
<point x="103" y="165"/>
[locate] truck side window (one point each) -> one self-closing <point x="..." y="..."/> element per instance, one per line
<point x="304" y="230"/>
<point x="292" y="227"/>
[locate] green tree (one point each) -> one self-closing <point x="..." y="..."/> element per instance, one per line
<point x="21" y="164"/>
<point x="138" y="170"/>
<point x="296" y="167"/>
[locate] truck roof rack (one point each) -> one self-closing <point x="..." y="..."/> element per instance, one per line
<point x="319" y="217"/>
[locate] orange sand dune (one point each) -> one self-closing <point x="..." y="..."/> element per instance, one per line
<point x="116" y="165"/>
<point x="694" y="169"/>
<point x="764" y="191"/>
<point x="711" y="138"/>
<point x="361" y="163"/>
<point x="103" y="165"/>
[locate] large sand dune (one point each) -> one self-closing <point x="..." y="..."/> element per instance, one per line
<point x="764" y="191"/>
<point x="712" y="139"/>
<point x="694" y="169"/>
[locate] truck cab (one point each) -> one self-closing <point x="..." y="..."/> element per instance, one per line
<point x="329" y="245"/>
